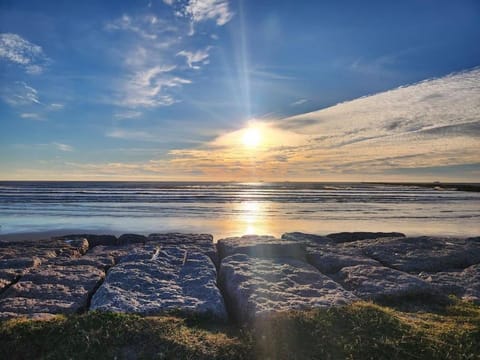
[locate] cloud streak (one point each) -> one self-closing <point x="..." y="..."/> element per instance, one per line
<point x="153" y="54"/>
<point x="432" y="124"/>
<point x="196" y="57"/>
<point x="17" y="50"/>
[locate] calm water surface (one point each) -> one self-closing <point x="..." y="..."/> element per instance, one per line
<point x="226" y="209"/>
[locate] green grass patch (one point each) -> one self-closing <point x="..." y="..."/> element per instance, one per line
<point x="359" y="331"/>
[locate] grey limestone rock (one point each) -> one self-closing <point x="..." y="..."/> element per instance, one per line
<point x="126" y="239"/>
<point x="327" y="255"/>
<point x="463" y="283"/>
<point x="17" y="257"/>
<point x="342" y="237"/>
<point x="330" y="261"/>
<point x="261" y="247"/>
<point x="194" y="242"/>
<point x="51" y="289"/>
<point x="309" y="239"/>
<point x="93" y="240"/>
<point x="156" y="280"/>
<point x="430" y="254"/>
<point x="382" y="283"/>
<point x="256" y="288"/>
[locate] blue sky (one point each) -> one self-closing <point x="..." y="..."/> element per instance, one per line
<point x="157" y="89"/>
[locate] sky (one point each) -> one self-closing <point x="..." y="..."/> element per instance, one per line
<point x="240" y="90"/>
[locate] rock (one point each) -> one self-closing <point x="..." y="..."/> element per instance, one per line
<point x="93" y="240"/>
<point x="255" y="287"/>
<point x="463" y="283"/>
<point x="261" y="247"/>
<point x="51" y="289"/>
<point x="151" y="281"/>
<point x="333" y="260"/>
<point x="382" y="283"/>
<point x="355" y="236"/>
<point x="181" y="238"/>
<point x="327" y="255"/>
<point x="44" y="248"/>
<point x="117" y="252"/>
<point x="126" y="239"/>
<point x="99" y="262"/>
<point x="16" y="259"/>
<point x="309" y="239"/>
<point x="12" y="269"/>
<point x="430" y="254"/>
<point x="77" y="246"/>
<point x="195" y="242"/>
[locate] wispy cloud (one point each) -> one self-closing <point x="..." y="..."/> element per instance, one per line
<point x="432" y="124"/>
<point x="129" y="114"/>
<point x="131" y="135"/>
<point x="17" y="50"/>
<point x="202" y="10"/>
<point x="147" y="26"/>
<point x="19" y="93"/>
<point x="196" y="57"/>
<point x="56" y="106"/>
<point x="153" y="66"/>
<point x="45" y="146"/>
<point x="299" y="102"/>
<point x="151" y="88"/>
<point x="31" y="116"/>
<point x="63" y="147"/>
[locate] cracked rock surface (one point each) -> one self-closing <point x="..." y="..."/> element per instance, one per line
<point x="152" y="281"/>
<point x="256" y="287"/>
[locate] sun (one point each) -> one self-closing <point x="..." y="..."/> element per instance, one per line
<point x="251" y="137"/>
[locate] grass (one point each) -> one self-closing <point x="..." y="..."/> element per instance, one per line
<point x="358" y="331"/>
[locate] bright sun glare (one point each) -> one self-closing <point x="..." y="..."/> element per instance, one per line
<point x="251" y="137"/>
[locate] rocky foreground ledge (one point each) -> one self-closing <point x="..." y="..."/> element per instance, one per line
<point x="244" y="278"/>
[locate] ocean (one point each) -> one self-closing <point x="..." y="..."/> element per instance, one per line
<point x="230" y="209"/>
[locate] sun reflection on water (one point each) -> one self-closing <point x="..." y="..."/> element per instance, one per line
<point x="252" y="217"/>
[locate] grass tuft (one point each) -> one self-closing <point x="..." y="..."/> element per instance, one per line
<point x="358" y="331"/>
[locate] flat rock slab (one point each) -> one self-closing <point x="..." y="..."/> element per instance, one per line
<point x="417" y="254"/>
<point x="463" y="283"/>
<point x="126" y="239"/>
<point x="18" y="257"/>
<point x="309" y="239"/>
<point x="255" y="287"/>
<point x="382" y="283"/>
<point x="51" y="289"/>
<point x="261" y="247"/>
<point x="342" y="237"/>
<point x="12" y="269"/>
<point x="151" y="281"/>
<point x="195" y="242"/>
<point x="327" y="255"/>
<point x="43" y="248"/>
<point x="330" y="261"/>
<point x="93" y="240"/>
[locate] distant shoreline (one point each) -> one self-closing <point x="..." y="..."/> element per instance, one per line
<point x="435" y="185"/>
